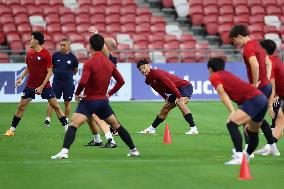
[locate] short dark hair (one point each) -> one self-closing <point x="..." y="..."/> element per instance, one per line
<point x="216" y="64"/>
<point x="269" y="45"/>
<point x="239" y="30"/>
<point x="97" y="42"/>
<point x="38" y="36"/>
<point x="142" y="62"/>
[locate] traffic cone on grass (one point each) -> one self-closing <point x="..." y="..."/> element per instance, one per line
<point x="167" y="136"/>
<point x="244" y="171"/>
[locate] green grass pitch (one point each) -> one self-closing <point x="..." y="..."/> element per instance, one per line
<point x="190" y="162"/>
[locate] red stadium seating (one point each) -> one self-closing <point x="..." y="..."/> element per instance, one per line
<point x="24" y="28"/>
<point x="27" y="2"/>
<point x="56" y="3"/>
<point x="167" y="3"/>
<point x="128" y="28"/>
<point x="127" y="19"/>
<point x="52" y="19"/>
<point x="4" y="58"/>
<point x="13" y="2"/>
<point x="50" y="11"/>
<point x="82" y="19"/>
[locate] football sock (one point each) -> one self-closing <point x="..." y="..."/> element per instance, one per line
<point x="15" y="122"/>
<point x="47" y="118"/>
<point x="188" y="117"/>
<point x="157" y="122"/>
<point x="253" y="141"/>
<point x="63" y="120"/>
<point x="235" y="136"/>
<point x="108" y="135"/>
<point x="124" y="135"/>
<point x="275" y="140"/>
<point x="97" y="138"/>
<point x="69" y="136"/>
<point x="267" y="132"/>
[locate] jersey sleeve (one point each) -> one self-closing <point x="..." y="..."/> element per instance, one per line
<point x="272" y="76"/>
<point x="249" y="52"/>
<point x="76" y="62"/>
<point x="84" y="78"/>
<point x="215" y="80"/>
<point x="119" y="82"/>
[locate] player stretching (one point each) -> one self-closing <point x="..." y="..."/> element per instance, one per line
<point x="39" y="69"/>
<point x="252" y="106"/>
<point x="165" y="83"/>
<point x="95" y="80"/>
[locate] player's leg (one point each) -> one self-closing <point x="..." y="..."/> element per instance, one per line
<point x="163" y="114"/>
<point x="68" y="91"/>
<point x="279" y="125"/>
<point x="96" y="141"/>
<point x="48" y="94"/>
<point x="106" y="130"/>
<point x="76" y="121"/>
<point x="17" y="116"/>
<point x="57" y="89"/>
<point x="123" y="133"/>
<point x="239" y="117"/>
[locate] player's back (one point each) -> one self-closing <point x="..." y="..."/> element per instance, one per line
<point x="101" y="70"/>
<point x="278" y="73"/>
<point x="237" y="89"/>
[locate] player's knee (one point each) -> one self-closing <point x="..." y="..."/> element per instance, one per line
<point x="21" y="108"/>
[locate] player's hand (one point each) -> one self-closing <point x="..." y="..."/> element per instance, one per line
<point x="107" y="95"/>
<point x="38" y="90"/>
<point x="79" y="97"/>
<point x="271" y="112"/>
<point x="276" y="101"/>
<point x="19" y="81"/>
<point x="229" y="117"/>
<point x="178" y="100"/>
<point x="93" y="30"/>
<point x="257" y="84"/>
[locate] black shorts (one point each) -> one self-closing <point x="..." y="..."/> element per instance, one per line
<point x="100" y="107"/>
<point x="47" y="93"/>
<point x="255" y="107"/>
<point x="185" y="91"/>
<point x="65" y="88"/>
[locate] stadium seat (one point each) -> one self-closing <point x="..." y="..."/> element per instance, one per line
<point x="113" y="10"/>
<point x="256" y="19"/>
<point x="24" y="28"/>
<point x="27" y="2"/>
<point x="82" y="19"/>
<point x="76" y="38"/>
<point x="257" y="10"/>
<point x="52" y="19"/>
<point x="256" y="28"/>
<point x="275" y="37"/>
<point x="273" y="10"/>
<point x="196" y="14"/>
<point x="124" y="39"/>
<point x="157" y="57"/>
<point x="172" y="45"/>
<point x="211" y="24"/>
<point x="143" y="28"/>
<point x="157" y="20"/>
<point x="172" y="57"/>
<point x="19" y="10"/>
<point x="242" y="10"/>
<point x="16" y="46"/>
<point x="242" y="19"/>
<point x="6" y="19"/>
<point x="209" y="2"/>
<point x="25" y="37"/>
<point x="5" y="10"/>
<point x="125" y="19"/>
<point x="12" y="3"/>
<point x="35" y="11"/>
<point x="171" y="38"/>
<point x="140" y="38"/>
<point x="68" y="28"/>
<point x="158" y="29"/>
<point x="2" y="38"/>
<point x="222" y="3"/>
<point x="155" y="46"/>
<point x="217" y="54"/>
<point x="226" y="10"/>
<point x="57" y="37"/>
<point x="113" y="28"/>
<point x="49" y="45"/>
<point x="82" y="12"/>
<point x="113" y="19"/>
<point x="127" y="11"/>
<point x="187" y="56"/>
<point x="83" y="29"/>
<point x="187" y="38"/>
<point x="64" y="11"/>
<point x="181" y="7"/>
<point x="156" y="38"/>
<point x="53" y="28"/>
<point x="128" y="28"/>
<point x="21" y="19"/>
<point x="252" y="3"/>
<point x="4" y="58"/>
<point x="143" y="11"/>
<point x="173" y="30"/>
<point x="56" y="3"/>
<point x="9" y="28"/>
<point x="84" y="4"/>
<point x="167" y="3"/>
<point x="42" y="2"/>
<point x="113" y="2"/>
<point x="211" y="10"/>
<point x="142" y="19"/>
<point x="226" y="19"/>
<point x="256" y="36"/>
<point x="98" y="19"/>
<point x="37" y="21"/>
<point x="224" y="30"/>
<point x="13" y="37"/>
<point x="50" y="11"/>
<point x="270" y="29"/>
<point x="67" y="19"/>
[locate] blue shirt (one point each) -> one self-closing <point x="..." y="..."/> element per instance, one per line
<point x="113" y="59"/>
<point x="63" y="66"/>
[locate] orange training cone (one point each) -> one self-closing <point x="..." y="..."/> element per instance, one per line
<point x="245" y="172"/>
<point x="167" y="136"/>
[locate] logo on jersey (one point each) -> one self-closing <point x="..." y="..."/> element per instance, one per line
<point x="58" y="60"/>
<point x="38" y="58"/>
<point x="68" y="61"/>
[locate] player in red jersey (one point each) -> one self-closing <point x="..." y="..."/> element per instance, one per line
<point x="165" y="83"/>
<point x="252" y="106"/>
<point x="39" y="70"/>
<point x="277" y="80"/>
<point x="258" y="68"/>
<point x="97" y="72"/>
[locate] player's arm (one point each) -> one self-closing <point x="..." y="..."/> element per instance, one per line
<point x="156" y="88"/>
<point x="93" y="30"/>
<point x="271" y="99"/>
<point x="84" y="78"/>
<point x="255" y="70"/>
<point x="225" y="98"/>
<point x="20" y="79"/>
<point x="119" y="82"/>
<point x="268" y="67"/>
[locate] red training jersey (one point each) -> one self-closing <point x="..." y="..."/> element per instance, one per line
<point x="277" y="73"/>
<point x="237" y="89"/>
<point x="165" y="83"/>
<point x="252" y="48"/>
<point x="97" y="72"/>
<point x="37" y="63"/>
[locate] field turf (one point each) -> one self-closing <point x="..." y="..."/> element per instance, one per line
<point x="190" y="162"/>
